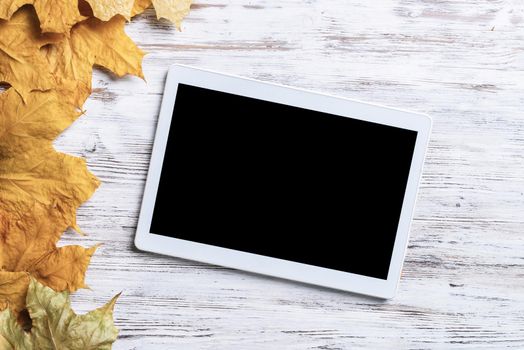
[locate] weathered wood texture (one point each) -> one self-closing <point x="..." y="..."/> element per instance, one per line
<point x="462" y="286"/>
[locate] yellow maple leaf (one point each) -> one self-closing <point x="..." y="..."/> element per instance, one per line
<point x="105" y="10"/>
<point x="64" y="268"/>
<point x="173" y="10"/>
<point x="106" y="44"/>
<point x="47" y="177"/>
<point x="13" y="290"/>
<point x="140" y="6"/>
<point x="24" y="126"/>
<point x="28" y="238"/>
<point x="72" y="73"/>
<point x="65" y="63"/>
<point x="28" y="248"/>
<point x="92" y="42"/>
<point x="21" y="63"/>
<point x="56" y="16"/>
<point x="30" y="169"/>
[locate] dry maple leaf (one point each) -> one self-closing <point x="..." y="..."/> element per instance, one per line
<point x="56" y="326"/>
<point x="30" y="169"/>
<point x="13" y="290"/>
<point x="140" y="6"/>
<point x="56" y="16"/>
<point x="106" y="44"/>
<point x="45" y="176"/>
<point x="21" y="63"/>
<point x="92" y="42"/>
<point x="28" y="248"/>
<point x="41" y="119"/>
<point x="67" y="64"/>
<point x="173" y="10"/>
<point x="26" y="239"/>
<point x="64" y="268"/>
<point x="73" y="80"/>
<point x="105" y="10"/>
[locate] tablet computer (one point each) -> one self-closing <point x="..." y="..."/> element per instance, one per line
<point x="281" y="181"/>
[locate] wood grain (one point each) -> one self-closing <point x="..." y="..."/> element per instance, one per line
<point x="462" y="286"/>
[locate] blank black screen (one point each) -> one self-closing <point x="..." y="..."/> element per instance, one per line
<point x="282" y="181"/>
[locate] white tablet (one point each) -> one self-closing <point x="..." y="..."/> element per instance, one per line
<point x="282" y="182"/>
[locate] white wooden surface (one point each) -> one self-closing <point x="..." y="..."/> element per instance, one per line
<point x="462" y="286"/>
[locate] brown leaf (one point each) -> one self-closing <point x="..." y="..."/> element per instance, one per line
<point x="85" y="8"/>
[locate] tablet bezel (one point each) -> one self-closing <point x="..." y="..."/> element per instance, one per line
<point x="148" y="241"/>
